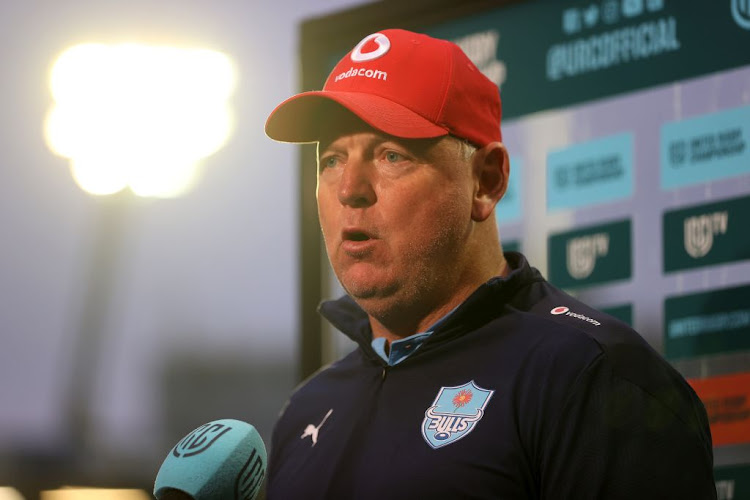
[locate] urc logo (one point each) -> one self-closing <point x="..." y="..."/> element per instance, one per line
<point x="200" y="439"/>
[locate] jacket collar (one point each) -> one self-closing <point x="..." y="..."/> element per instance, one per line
<point x="481" y="306"/>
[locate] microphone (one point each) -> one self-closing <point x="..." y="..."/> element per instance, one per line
<point x="221" y="460"/>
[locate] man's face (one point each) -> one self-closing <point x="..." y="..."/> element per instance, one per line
<point x="395" y="215"/>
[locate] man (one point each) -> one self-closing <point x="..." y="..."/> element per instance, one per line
<point x="468" y="381"/>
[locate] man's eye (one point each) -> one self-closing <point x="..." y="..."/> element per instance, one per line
<point x="328" y="162"/>
<point x="393" y="157"/>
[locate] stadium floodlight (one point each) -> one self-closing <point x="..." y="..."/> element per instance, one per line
<point x="139" y="116"/>
<point x="71" y="493"/>
<point x="8" y="493"/>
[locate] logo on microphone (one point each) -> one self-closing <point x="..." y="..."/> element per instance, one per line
<point x="200" y="439"/>
<point x="250" y="478"/>
<point x="454" y="413"/>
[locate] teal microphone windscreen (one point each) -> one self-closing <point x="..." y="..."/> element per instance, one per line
<point x="221" y="460"/>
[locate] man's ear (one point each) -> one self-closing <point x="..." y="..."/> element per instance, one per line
<point x="491" y="170"/>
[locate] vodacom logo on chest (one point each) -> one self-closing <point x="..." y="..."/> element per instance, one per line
<point x="369" y="48"/>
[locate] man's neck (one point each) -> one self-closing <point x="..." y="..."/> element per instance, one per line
<point x="409" y="323"/>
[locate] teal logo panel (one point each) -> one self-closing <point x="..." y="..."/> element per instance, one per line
<point x="590" y="173"/>
<point x="590" y="256"/>
<point x="705" y="148"/>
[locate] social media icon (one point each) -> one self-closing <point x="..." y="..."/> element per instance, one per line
<point x="632" y="8"/>
<point x="571" y="21"/>
<point x="591" y="16"/>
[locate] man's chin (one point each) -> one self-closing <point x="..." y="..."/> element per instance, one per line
<point x="362" y="291"/>
<point x="362" y="280"/>
<point x="366" y="288"/>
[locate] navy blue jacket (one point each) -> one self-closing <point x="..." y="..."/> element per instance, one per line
<point x="559" y="401"/>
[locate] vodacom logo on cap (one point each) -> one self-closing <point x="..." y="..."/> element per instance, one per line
<point x="383" y="46"/>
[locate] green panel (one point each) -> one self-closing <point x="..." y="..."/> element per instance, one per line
<point x="624" y="313"/>
<point x="552" y="54"/>
<point x="590" y="256"/>
<point x="708" y="234"/>
<point x="732" y="482"/>
<point x="707" y="322"/>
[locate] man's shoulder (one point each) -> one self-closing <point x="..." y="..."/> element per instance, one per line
<point x="560" y="314"/>
<point x="567" y="325"/>
<point x="547" y="311"/>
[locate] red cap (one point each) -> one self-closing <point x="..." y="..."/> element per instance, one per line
<point x="405" y="84"/>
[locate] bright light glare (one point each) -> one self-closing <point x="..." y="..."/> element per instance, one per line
<point x="94" y="494"/>
<point x="8" y="493"/>
<point x="139" y="116"/>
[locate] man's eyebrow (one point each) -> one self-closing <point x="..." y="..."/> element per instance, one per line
<point x="417" y="147"/>
<point x="375" y="139"/>
<point x="327" y="142"/>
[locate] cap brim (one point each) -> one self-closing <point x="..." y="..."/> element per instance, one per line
<point x="299" y="118"/>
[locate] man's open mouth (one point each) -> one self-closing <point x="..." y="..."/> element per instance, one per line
<point x="355" y="235"/>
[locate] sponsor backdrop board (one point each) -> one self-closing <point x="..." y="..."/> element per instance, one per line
<point x="628" y="127"/>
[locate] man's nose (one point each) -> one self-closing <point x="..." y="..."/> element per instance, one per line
<point x="356" y="184"/>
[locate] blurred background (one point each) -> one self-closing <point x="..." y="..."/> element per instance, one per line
<point x="160" y="258"/>
<point x="127" y="321"/>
